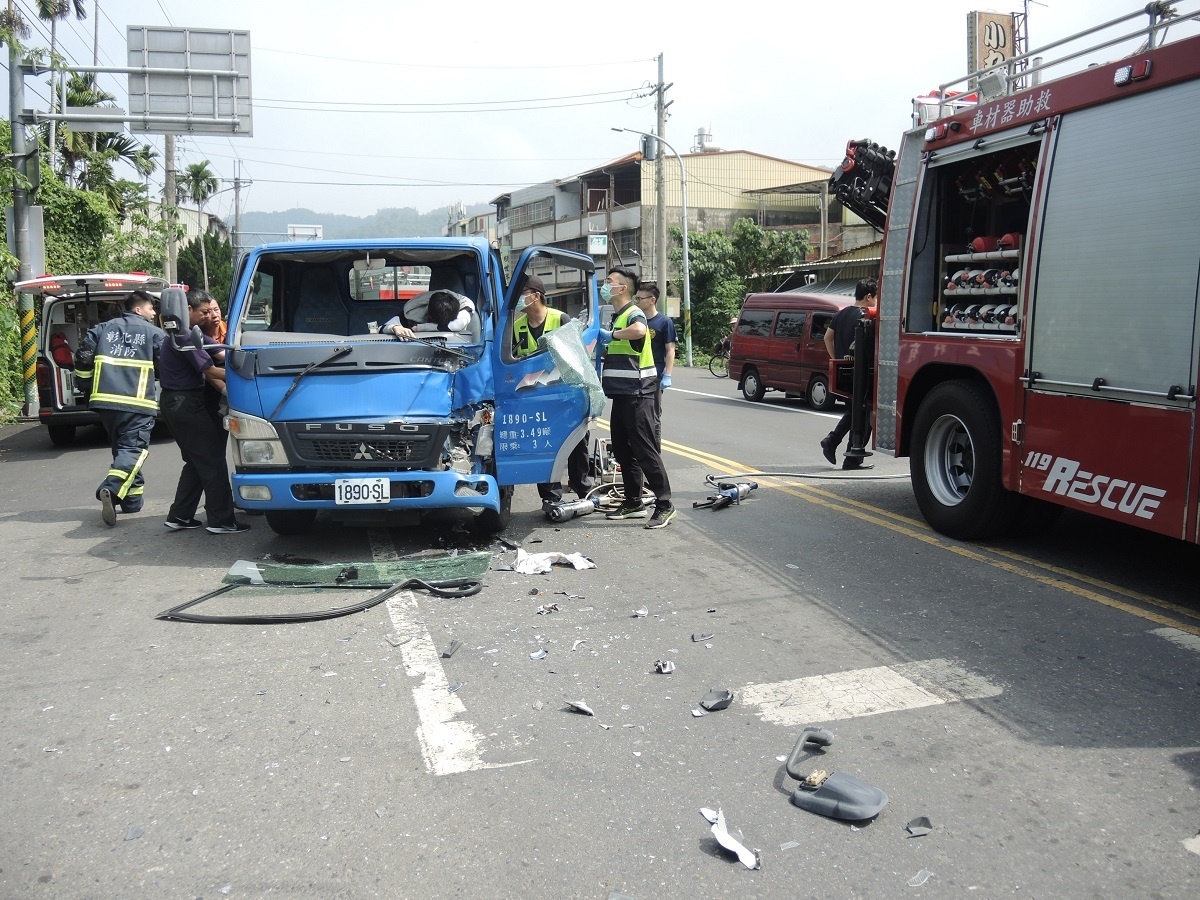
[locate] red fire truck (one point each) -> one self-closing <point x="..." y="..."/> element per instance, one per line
<point x="1037" y="339"/>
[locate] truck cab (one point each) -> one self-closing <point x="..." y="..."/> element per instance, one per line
<point x="329" y="410"/>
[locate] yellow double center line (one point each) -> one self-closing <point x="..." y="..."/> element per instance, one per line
<point x="1050" y="575"/>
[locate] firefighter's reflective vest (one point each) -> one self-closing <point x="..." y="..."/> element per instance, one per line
<point x="117" y="359"/>
<point x="629" y="365"/>
<point x="523" y="339"/>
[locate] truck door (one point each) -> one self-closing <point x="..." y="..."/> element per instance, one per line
<point x="540" y="417"/>
<point x="1111" y="368"/>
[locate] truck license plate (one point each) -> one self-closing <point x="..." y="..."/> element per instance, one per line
<point x="358" y="491"/>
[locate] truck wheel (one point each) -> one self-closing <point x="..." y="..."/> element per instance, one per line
<point x="291" y="521"/>
<point x="752" y="386"/>
<point x="956" y="463"/>
<point x="61" y="435"/>
<point x="819" y="397"/>
<point x="489" y="521"/>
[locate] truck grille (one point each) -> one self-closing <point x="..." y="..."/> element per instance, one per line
<point x="333" y="450"/>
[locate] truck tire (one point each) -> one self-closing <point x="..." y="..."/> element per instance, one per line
<point x="752" y="387"/>
<point x="291" y="521"/>
<point x="61" y="435"/>
<point x="956" y="461"/>
<point x="489" y="521"/>
<point x="819" y="397"/>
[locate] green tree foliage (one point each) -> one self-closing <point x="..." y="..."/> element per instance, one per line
<point x="724" y="268"/>
<point x="220" y="266"/>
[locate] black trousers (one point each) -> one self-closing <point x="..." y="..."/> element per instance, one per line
<point x="129" y="439"/>
<point x="201" y="438"/>
<point x="634" y="426"/>
<point x="579" y="474"/>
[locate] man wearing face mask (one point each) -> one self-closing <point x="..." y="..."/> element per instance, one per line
<point x="533" y="319"/>
<point x="630" y="378"/>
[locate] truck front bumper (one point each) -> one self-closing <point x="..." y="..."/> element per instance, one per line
<point x="266" y="490"/>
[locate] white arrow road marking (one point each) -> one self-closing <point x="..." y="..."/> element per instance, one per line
<point x="448" y="744"/>
<point x="866" y="692"/>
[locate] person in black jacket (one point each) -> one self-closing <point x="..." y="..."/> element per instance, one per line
<point x="116" y="361"/>
<point x="839" y="341"/>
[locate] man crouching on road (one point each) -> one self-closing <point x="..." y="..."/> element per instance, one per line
<point x="630" y="378"/>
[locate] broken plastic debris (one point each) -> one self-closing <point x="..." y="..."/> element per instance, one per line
<point x="698" y="712"/>
<point x="605" y="727"/>
<point x="818" y="737"/>
<point x="133" y="833"/>
<point x="570" y="596"/>
<point x="454" y="687"/>
<point x="788" y="845"/>
<point x="712" y="609"/>
<point x="547" y="609"/>
<point x="641" y="613"/>
<point x="698" y="637"/>
<point x="578" y="643"/>
<point x="539" y="654"/>
<point x="665" y="666"/>
<point x="398" y="640"/>
<point x="579" y="706"/>
<point x="792" y="566"/>
<point x="919" y="827"/>
<point x="451" y="650"/>
<point x="838" y="796"/>
<point x="920" y="878"/>
<point x="748" y="858"/>
<point x="542" y="563"/>
<point x="716" y="700"/>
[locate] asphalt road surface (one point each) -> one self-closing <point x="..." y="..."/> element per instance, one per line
<point x="1035" y="699"/>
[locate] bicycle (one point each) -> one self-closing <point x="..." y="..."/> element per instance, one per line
<point x="718" y="363"/>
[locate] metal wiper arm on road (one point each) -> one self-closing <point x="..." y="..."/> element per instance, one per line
<point x="336" y="354"/>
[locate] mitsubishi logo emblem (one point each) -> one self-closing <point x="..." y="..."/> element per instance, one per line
<point x="363" y="452"/>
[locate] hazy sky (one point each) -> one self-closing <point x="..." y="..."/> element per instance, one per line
<point x="421" y="103"/>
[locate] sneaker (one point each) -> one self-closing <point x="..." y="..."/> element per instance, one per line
<point x="829" y="450"/>
<point x="661" y="517"/>
<point x="628" y="512"/>
<point x="233" y="528"/>
<point x="179" y="524"/>
<point x="108" y="510"/>
<point x="851" y="462"/>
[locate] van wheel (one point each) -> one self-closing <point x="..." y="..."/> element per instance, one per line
<point x="61" y="435"/>
<point x="752" y="386"/>
<point x="819" y="397"/>
<point x="489" y="521"/>
<point x="956" y="459"/>
<point x="291" y="521"/>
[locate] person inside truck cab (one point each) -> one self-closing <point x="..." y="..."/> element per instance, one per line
<point x="444" y="311"/>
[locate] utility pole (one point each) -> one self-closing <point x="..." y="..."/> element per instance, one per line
<point x="660" y="190"/>
<point x="20" y="163"/>
<point x="168" y="205"/>
<point x="237" y="209"/>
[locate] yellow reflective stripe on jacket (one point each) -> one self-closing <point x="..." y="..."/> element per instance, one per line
<point x="523" y="336"/>
<point x="143" y="390"/>
<point x="627" y="370"/>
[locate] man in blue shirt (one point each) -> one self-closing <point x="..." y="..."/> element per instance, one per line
<point x="662" y="345"/>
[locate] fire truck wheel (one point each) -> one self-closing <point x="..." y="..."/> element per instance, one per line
<point x="819" y="397"/>
<point x="956" y="461"/>
<point x="291" y="521"/>
<point x="489" y="521"/>
<point x="752" y="386"/>
<point x="61" y="435"/>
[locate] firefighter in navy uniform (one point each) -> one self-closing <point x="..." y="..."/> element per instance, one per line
<point x="535" y="318"/>
<point x="116" y="361"/>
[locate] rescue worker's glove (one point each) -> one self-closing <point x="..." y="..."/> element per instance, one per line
<point x="605" y="337"/>
<point x="665" y="381"/>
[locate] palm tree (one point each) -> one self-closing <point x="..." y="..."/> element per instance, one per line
<point x="200" y="183"/>
<point x="145" y="161"/>
<point x="52" y="11"/>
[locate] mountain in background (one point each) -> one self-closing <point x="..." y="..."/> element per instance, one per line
<point x="266" y="227"/>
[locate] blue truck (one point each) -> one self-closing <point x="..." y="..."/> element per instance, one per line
<point x="330" y="412"/>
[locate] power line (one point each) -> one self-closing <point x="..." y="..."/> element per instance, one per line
<point x="398" y="106"/>
<point x="425" y="112"/>
<point x="456" y="67"/>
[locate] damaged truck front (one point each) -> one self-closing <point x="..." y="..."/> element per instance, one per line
<point x="329" y="410"/>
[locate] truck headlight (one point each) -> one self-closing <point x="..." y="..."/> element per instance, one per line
<point x="255" y="441"/>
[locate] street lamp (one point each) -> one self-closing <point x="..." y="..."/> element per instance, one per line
<point x="687" y="274"/>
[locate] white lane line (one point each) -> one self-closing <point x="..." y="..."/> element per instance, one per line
<point x="866" y="692"/>
<point x="791" y="409"/>
<point x="449" y="745"/>
<point x="1182" y="638"/>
